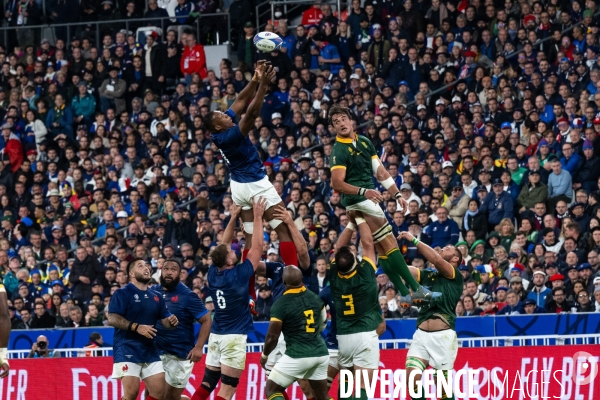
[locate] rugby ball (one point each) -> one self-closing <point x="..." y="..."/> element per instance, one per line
<point x="267" y="42"/>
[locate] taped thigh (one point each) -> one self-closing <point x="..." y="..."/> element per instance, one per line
<point x="382" y="232"/>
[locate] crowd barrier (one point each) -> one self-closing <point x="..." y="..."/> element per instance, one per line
<point x="556" y="372"/>
<point x="467" y="327"/>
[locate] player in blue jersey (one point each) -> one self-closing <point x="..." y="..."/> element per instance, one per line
<point x="228" y="287"/>
<point x="133" y="311"/>
<point x="248" y="176"/>
<point x="176" y="346"/>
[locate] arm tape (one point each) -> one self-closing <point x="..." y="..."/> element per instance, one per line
<point x="388" y="183"/>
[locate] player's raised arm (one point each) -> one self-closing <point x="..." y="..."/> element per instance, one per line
<point x="258" y="208"/>
<point x="234" y="213"/>
<point x="299" y="242"/>
<point x="247" y="122"/>
<point x="4" y="332"/>
<point x="346" y="236"/>
<point x="443" y="266"/>
<point x="246" y="94"/>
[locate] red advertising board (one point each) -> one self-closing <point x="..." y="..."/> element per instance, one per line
<point x="553" y="372"/>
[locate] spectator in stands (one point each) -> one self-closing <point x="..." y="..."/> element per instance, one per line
<point x="583" y="302"/>
<point x="62" y="319"/>
<point x="559" y="185"/>
<point x="498" y="204"/>
<point x="112" y="92"/>
<point x="15" y="321"/>
<point x="442" y="232"/>
<point x="193" y="60"/>
<point x="385" y="311"/>
<point x="540" y="291"/>
<point x="40" y="349"/>
<point x="513" y="306"/>
<point x="41" y="318"/>
<point x="530" y="307"/>
<point x="76" y="316"/>
<point x="559" y="302"/>
<point x="85" y="269"/>
<point x="93" y="317"/>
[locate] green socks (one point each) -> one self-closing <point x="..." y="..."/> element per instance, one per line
<point x="397" y="260"/>
<point x="276" y="396"/>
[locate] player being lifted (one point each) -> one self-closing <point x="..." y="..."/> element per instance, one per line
<point x="434" y="342"/>
<point x="133" y="311"/>
<point x="355" y="295"/>
<point x="228" y="286"/>
<point x="248" y="176"/>
<point x="354" y="161"/>
<point x="176" y="346"/>
<point x="4" y="332"/>
<point x="300" y="315"/>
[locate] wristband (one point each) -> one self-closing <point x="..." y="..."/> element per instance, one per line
<point x="415" y="241"/>
<point x="263" y="356"/>
<point x="351" y="226"/>
<point x="3" y="355"/>
<point x="129" y="327"/>
<point x="359" y="220"/>
<point x="362" y="191"/>
<point x="136" y="327"/>
<point x="397" y="195"/>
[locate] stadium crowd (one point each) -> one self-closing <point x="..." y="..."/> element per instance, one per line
<point x="105" y="156"/>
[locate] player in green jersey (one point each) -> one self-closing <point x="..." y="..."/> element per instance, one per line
<point x="4" y="332"/>
<point x="355" y="297"/>
<point x="435" y="343"/>
<point x="354" y="162"/>
<point x="300" y="315"/>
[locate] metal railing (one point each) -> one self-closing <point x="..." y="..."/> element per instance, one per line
<point x="97" y="26"/>
<point x="387" y="344"/>
<point x="293" y="6"/>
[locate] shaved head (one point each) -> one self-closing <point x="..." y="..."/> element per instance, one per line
<point x="292" y="276"/>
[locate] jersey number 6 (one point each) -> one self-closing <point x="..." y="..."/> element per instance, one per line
<point x="220" y="299"/>
<point x="349" y="303"/>
<point x="310" y="321"/>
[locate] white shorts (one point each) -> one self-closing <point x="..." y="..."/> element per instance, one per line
<point x="177" y="370"/>
<point x="438" y="348"/>
<point x="243" y="193"/>
<point x="367" y="207"/>
<point x="288" y="370"/>
<point x="333" y="358"/>
<point x="360" y="349"/>
<point x="276" y="354"/>
<point x="229" y="350"/>
<point x="139" y="370"/>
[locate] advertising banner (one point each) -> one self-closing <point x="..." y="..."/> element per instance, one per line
<point x="550" y="372"/>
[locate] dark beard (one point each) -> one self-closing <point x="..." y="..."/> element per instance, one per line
<point x="141" y="279"/>
<point x="169" y="285"/>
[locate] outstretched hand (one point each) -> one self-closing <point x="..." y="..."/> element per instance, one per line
<point x="281" y="213"/>
<point x="406" y="235"/>
<point x="234" y="210"/>
<point x="259" y="206"/>
<point x="268" y="75"/>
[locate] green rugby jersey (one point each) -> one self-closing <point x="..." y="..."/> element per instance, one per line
<point x="443" y="308"/>
<point x="355" y="157"/>
<point x="299" y="311"/>
<point x="355" y="297"/>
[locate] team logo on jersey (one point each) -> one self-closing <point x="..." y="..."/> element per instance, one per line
<point x="175" y="299"/>
<point x="137" y="298"/>
<point x="125" y="368"/>
<point x="156" y="299"/>
<point x="364" y="144"/>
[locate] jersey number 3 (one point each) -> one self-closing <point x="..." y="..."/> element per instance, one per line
<point x="349" y="303"/>
<point x="310" y="321"/>
<point x="221" y="300"/>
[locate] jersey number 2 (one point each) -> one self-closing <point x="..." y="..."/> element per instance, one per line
<point x="349" y="303"/>
<point x="220" y="299"/>
<point x="310" y="321"/>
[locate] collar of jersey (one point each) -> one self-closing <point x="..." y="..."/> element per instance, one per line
<point x="295" y="291"/>
<point x="344" y="140"/>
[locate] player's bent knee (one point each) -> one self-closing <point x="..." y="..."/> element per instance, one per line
<point x="382" y="232"/>
<point x="210" y="379"/>
<point x="415" y="363"/>
<point x="230" y="380"/>
<point x="275" y="223"/>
